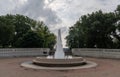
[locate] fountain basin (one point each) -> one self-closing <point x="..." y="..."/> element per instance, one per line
<point x="30" y="65"/>
<point x="45" y="62"/>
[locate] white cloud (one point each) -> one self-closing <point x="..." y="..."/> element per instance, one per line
<point x="36" y="9"/>
<point x="7" y="6"/>
<point x="70" y="10"/>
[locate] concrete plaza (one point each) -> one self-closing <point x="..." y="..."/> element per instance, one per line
<point x="106" y="68"/>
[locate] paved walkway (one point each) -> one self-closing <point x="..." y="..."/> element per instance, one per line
<point x="106" y="68"/>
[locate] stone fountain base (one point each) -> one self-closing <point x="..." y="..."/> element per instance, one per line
<point x="59" y="64"/>
<point x="45" y="62"/>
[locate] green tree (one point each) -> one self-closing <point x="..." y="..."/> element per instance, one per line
<point x="47" y="37"/>
<point x="96" y="30"/>
<point x="6" y="32"/>
<point x="22" y="31"/>
<point x="30" y="40"/>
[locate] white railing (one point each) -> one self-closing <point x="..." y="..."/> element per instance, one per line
<point x="21" y="52"/>
<point x="102" y="53"/>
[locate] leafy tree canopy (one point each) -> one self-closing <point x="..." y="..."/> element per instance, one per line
<point x="96" y="30"/>
<point x="21" y="31"/>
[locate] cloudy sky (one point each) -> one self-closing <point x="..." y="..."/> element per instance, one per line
<point x="56" y="13"/>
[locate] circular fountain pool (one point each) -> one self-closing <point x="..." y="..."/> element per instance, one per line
<point x="58" y="64"/>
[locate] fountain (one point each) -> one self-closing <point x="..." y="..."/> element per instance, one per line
<point x="59" y="61"/>
<point x="59" y="54"/>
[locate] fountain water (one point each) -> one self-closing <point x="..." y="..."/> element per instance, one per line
<point x="59" y="54"/>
